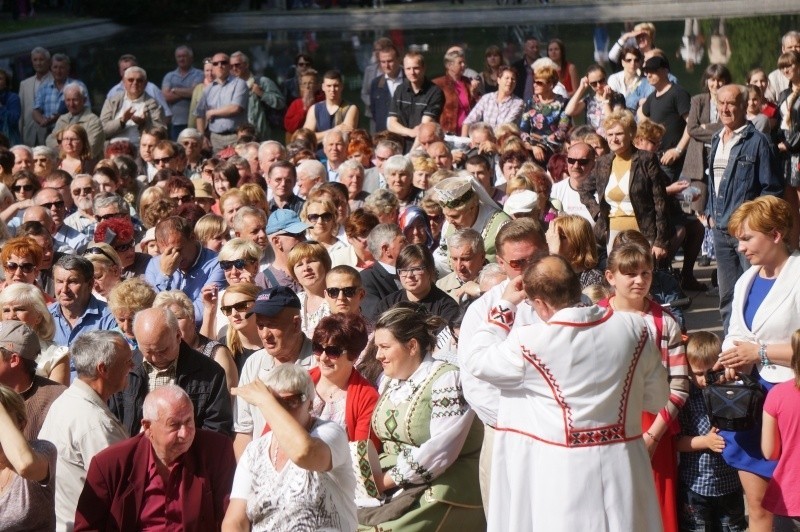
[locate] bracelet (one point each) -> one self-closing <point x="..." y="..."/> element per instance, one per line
<point x="762" y="354"/>
<point x="677" y="149"/>
<point x="651" y="436"/>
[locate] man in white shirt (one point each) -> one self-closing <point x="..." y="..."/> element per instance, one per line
<point x="518" y="243"/>
<point x="130" y="112"/>
<point x="32" y="133"/>
<point x="79" y="422"/>
<point x="580" y="163"/>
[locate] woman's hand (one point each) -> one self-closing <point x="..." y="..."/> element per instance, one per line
<point x="670" y="156"/>
<point x="538" y="153"/>
<point x="658" y="252"/>
<point x="553" y="239"/>
<point x="255" y="393"/>
<point x="209" y="294"/>
<point x="740" y="357"/>
<point x="677" y="187"/>
<point x="650" y="443"/>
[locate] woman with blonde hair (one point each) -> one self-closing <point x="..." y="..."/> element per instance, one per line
<point x="25" y="302"/>
<point x="181" y="306"/>
<point x="572" y="237"/>
<point x="255" y="196"/>
<point x="107" y="268"/>
<point x="309" y="263"/>
<point x="241" y="336"/>
<point x="320" y="214"/>
<point x="125" y="300"/>
<point x="75" y="151"/>
<point x="383" y="204"/>
<point x="27" y="470"/>
<point x="149" y="196"/>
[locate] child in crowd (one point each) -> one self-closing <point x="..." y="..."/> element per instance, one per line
<point x="780" y="429"/>
<point x="710" y="494"/>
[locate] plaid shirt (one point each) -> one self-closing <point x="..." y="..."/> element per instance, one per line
<point x="493" y="113"/>
<point x="703" y="472"/>
<point x="50" y="99"/>
<point x="159" y="377"/>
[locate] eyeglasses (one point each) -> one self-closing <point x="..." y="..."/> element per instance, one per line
<point x="163" y="160"/>
<point x="581" y="162"/>
<point x="241" y="306"/>
<point x="333" y="351"/>
<point x="239" y="264"/>
<point x="99" y="251"/>
<point x="291" y="402"/>
<point x="348" y="291"/>
<point x="187" y="198"/>
<point x="597" y="83"/>
<point x="20" y="188"/>
<point x="26" y="267"/>
<point x="218" y="63"/>
<point x="122" y="248"/>
<point x="518" y="264"/>
<point x="326" y="217"/>
<point x="539" y="82"/>
<point x="109" y="216"/>
<point x="631" y="60"/>
<point x="85" y="191"/>
<point x="415" y="270"/>
<point x="235" y="65"/>
<point x="57" y="204"/>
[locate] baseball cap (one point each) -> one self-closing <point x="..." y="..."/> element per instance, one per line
<point x="271" y="301"/>
<point x="285" y="221"/>
<point x="19" y="338"/>
<point x="654" y="63"/>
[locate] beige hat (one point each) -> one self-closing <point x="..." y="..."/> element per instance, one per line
<point x="18" y="338"/>
<point x="521" y="202"/>
<point x="149" y="236"/>
<point x="453" y="192"/>
<point x="202" y="189"/>
<point x="103" y="251"/>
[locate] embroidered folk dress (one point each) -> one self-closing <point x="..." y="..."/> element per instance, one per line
<point x="568" y="451"/>
<point x="430" y="436"/>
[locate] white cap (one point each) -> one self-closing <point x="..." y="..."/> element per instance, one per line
<point x="521" y="202"/>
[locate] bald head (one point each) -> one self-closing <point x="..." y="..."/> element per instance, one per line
<point x="157" y="334"/>
<point x="552" y="281"/>
<point x="583" y="157"/>
<point x="39" y="214"/>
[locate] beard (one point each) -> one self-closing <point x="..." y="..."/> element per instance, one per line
<point x="84" y="204"/>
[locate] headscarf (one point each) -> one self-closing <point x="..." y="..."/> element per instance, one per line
<point x="411" y="214"/>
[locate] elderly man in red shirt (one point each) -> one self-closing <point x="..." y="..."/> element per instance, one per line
<point x="171" y="476"/>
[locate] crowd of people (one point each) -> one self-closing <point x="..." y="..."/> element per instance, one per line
<point x="454" y="320"/>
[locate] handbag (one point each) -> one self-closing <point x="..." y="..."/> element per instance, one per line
<point x="733" y="405"/>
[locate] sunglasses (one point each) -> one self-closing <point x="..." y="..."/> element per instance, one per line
<point x="135" y="80"/>
<point x="188" y="198"/>
<point x="325" y="216"/>
<point x="56" y="204"/>
<point x="333" y="351"/>
<point x="109" y="216"/>
<point x="241" y="306"/>
<point x="85" y="191"/>
<point x="20" y="188"/>
<point x="518" y="264"/>
<point x="235" y="65"/>
<point x="98" y="251"/>
<point x="349" y="291"/>
<point x="163" y="160"/>
<point x="239" y="264"/>
<point x="122" y="248"/>
<point x="631" y="60"/>
<point x="218" y="63"/>
<point x="416" y="270"/>
<point x="26" y="267"/>
<point x="581" y="162"/>
<point x="291" y="402"/>
<point x="539" y="82"/>
<point x="597" y="83"/>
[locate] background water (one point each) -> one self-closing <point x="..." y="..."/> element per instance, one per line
<point x="755" y="41"/>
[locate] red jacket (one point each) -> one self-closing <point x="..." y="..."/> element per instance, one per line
<point x="114" y="488"/>
<point x="361" y="400"/>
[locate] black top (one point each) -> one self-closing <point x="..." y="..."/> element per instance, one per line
<point x="436" y="302"/>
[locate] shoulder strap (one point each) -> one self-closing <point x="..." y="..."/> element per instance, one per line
<point x="271" y="279"/>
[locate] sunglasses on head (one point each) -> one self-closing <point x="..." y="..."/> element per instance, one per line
<point x="122" y="248"/>
<point x="57" y="204"/>
<point x="582" y="162"/>
<point x="239" y="264"/>
<point x="26" y="267"/>
<point x="20" y="188"/>
<point x="109" y="216"/>
<point x="326" y="217"/>
<point x="349" y="291"/>
<point x="241" y="306"/>
<point x="98" y="251"/>
<point x="333" y="351"/>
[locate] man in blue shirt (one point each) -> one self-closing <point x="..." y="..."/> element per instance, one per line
<point x="223" y="106"/>
<point x="184" y="264"/>
<point x="76" y="310"/>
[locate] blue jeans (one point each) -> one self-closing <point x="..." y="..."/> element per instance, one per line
<point x="730" y="266"/>
<point x="699" y="513"/>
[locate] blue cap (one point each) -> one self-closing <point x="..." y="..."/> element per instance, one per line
<point x="271" y="301"/>
<point x="285" y="221"/>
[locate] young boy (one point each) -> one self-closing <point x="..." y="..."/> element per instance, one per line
<point x="710" y="492"/>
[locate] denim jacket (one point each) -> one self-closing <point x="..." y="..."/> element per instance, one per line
<point x="752" y="171"/>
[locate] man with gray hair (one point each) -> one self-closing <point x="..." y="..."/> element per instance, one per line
<point x="23" y="158"/>
<point x="379" y="280"/>
<point x="467" y="257"/>
<point x="124" y="63"/>
<point x="79" y="113"/>
<point x="334" y="145"/>
<point x="269" y="152"/>
<point x="310" y="172"/>
<point x="264" y="96"/>
<point x="250" y="223"/>
<point x="172" y="475"/>
<point x="49" y="102"/>
<point x="166" y="359"/>
<point x="32" y="133"/>
<point x="79" y="422"/>
<point x="373" y="177"/>
<point x="129" y="112"/>
<point x="178" y="86"/>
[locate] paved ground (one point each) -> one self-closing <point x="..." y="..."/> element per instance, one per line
<point x="704" y="312"/>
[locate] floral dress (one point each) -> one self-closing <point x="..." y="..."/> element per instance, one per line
<point x="547" y="120"/>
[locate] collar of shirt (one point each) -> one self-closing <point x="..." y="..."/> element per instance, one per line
<point x="168" y="372"/>
<point x="389" y="268"/>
